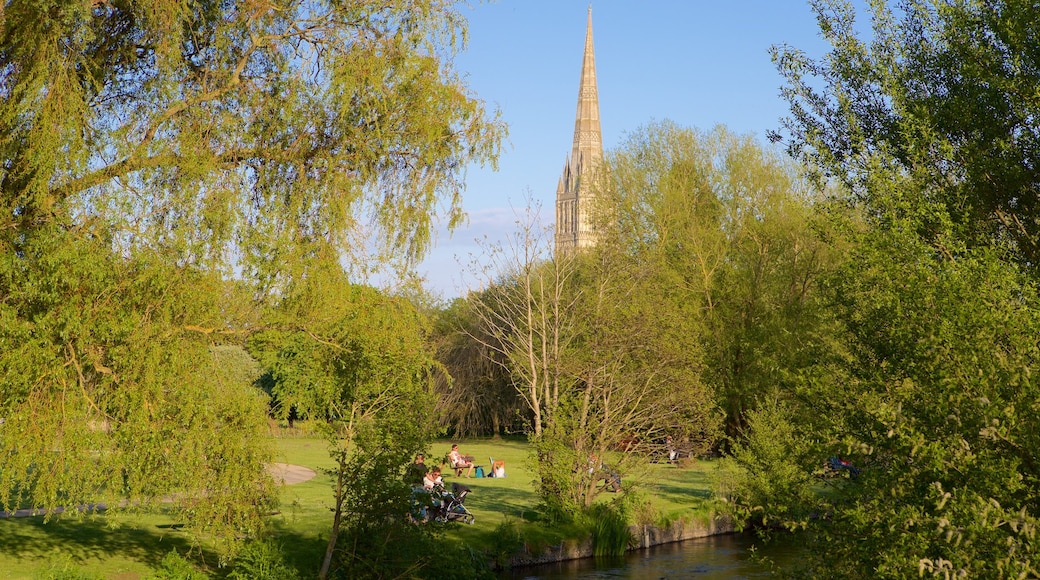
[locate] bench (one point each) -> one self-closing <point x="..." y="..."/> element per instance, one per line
<point x="446" y="461"/>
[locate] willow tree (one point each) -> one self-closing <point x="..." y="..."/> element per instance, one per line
<point x="476" y="396"/>
<point x="149" y="147"/>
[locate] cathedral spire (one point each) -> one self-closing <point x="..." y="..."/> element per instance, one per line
<point x="588" y="144"/>
<point x="573" y="196"/>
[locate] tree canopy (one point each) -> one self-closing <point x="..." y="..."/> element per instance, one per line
<point x="231" y="134"/>
<point x="938" y="95"/>
<point x="928" y="121"/>
<point x="164" y="168"/>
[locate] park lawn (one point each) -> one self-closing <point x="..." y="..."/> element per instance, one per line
<point x="111" y="546"/>
<point x="130" y="546"/>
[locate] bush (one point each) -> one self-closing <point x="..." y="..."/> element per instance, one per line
<point x="401" y="549"/>
<point x="177" y="567"/>
<point x="65" y="570"/>
<point x="507" y="541"/>
<point x="262" y="560"/>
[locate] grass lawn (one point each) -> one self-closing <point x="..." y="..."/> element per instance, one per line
<point x="128" y="547"/>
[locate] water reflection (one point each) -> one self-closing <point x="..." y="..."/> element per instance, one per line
<point x="728" y="556"/>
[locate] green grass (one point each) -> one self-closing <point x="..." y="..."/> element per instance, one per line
<point x="112" y="546"/>
<point x="130" y="546"/>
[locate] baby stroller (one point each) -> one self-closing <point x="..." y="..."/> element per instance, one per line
<point x="451" y="508"/>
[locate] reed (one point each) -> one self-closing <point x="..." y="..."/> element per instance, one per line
<point x="610" y="534"/>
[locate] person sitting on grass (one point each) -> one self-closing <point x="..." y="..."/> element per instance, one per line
<point x="415" y="472"/>
<point x="433" y="479"/>
<point x="459" y="461"/>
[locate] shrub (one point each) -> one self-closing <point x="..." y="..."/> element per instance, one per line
<point x="65" y="570"/>
<point x="609" y="526"/>
<point x="177" y="567"/>
<point x="507" y="541"/>
<point x="262" y="560"/>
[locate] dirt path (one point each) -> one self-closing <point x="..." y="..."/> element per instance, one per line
<point x="290" y="474"/>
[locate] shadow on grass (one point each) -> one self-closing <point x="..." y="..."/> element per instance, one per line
<point x="90" y="538"/>
<point x="678" y="493"/>
<point x="303" y="551"/>
<point x="504" y="500"/>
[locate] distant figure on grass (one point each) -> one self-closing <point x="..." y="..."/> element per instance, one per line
<point x="673" y="453"/>
<point x="599" y="470"/>
<point x="498" y="468"/>
<point x="433" y="479"/>
<point x="459" y="461"/>
<point x="416" y="471"/>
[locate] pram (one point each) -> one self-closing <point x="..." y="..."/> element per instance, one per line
<point x="451" y="507"/>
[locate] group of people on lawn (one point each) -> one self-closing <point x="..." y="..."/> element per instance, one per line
<point x="429" y="478"/>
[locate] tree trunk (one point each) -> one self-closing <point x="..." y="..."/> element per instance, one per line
<point x="496" y="426"/>
<point x="336" y="519"/>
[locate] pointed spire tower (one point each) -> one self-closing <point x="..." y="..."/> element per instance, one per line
<point x="574" y="192"/>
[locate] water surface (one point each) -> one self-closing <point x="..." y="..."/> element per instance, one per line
<point x="730" y="556"/>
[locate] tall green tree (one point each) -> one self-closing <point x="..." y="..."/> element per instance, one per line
<point x="116" y="387"/>
<point x="149" y="148"/>
<point x="932" y="403"/>
<point x="727" y="226"/>
<point x="632" y="374"/>
<point x="358" y="362"/>
<point x="938" y="92"/>
<point x="194" y="125"/>
<point x="930" y="127"/>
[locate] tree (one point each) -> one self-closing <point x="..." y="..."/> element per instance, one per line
<point x="632" y="374"/>
<point x="475" y="393"/>
<point x="523" y="317"/>
<point x="358" y="362"/>
<point x="148" y="149"/>
<point x="190" y="126"/>
<point x="928" y="127"/>
<point x="117" y="389"/>
<point x="940" y="95"/>
<point x="729" y="227"/>
<point x="931" y="403"/>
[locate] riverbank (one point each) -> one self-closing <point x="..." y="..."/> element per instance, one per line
<point x="643" y="536"/>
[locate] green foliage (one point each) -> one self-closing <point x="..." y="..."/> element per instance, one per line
<point x="609" y="526"/>
<point x="929" y="128"/>
<point x="940" y="96"/>
<point x="773" y="481"/>
<point x="356" y="360"/>
<point x="720" y="231"/>
<point x="475" y="394"/>
<point x="177" y="567"/>
<point x="262" y="560"/>
<point x="154" y="150"/>
<point x="115" y="391"/>
<point x="65" y="570"/>
<point x="388" y="549"/>
<point x="195" y="127"/>
<point x="507" y="541"/>
<point x="334" y="345"/>
<point x="943" y="390"/>
<point x="562" y="479"/>
<point x="933" y="411"/>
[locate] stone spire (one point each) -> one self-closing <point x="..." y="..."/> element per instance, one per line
<point x="573" y="195"/>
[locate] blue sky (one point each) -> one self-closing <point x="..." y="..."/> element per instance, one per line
<point x="698" y="63"/>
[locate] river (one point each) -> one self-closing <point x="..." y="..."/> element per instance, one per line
<point x="729" y="556"/>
